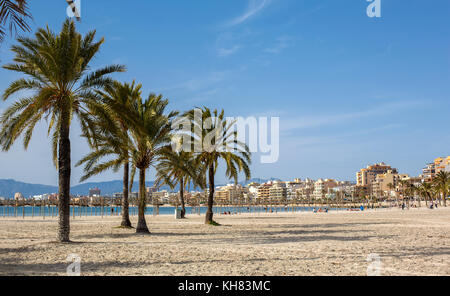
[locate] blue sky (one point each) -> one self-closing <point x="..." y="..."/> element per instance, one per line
<point x="349" y="90"/>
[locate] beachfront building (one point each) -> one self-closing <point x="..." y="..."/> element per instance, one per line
<point x="252" y="191"/>
<point x="230" y="194"/>
<point x="323" y="187"/>
<point x="344" y="190"/>
<point x="387" y="183"/>
<point x="305" y="192"/>
<point x="264" y="191"/>
<point x="18" y="196"/>
<point x="94" y="192"/>
<point x="196" y="198"/>
<point x="150" y="190"/>
<point x="41" y="197"/>
<point x="291" y="189"/>
<point x="278" y="191"/>
<point x="440" y="164"/>
<point x="365" y="177"/>
<point x="95" y="200"/>
<point x="159" y="197"/>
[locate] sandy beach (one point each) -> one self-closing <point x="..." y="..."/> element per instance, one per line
<point x="411" y="242"/>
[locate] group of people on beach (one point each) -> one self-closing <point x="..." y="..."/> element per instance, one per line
<point x="433" y="206"/>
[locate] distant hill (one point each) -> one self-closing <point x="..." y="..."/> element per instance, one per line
<point x="9" y="187"/>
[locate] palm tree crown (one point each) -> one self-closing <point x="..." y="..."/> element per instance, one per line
<point x="177" y="167"/>
<point x="442" y="182"/>
<point x="17" y="12"/>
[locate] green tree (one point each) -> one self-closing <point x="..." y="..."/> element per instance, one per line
<point x="13" y="15"/>
<point x="150" y="129"/>
<point x="62" y="86"/>
<point x="426" y="190"/>
<point x="442" y="181"/>
<point x="110" y="138"/>
<point x="213" y="139"/>
<point x="176" y="167"/>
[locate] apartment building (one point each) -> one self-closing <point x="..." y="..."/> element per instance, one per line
<point x="230" y="194"/>
<point x="278" y="191"/>
<point x="382" y="181"/>
<point x="440" y="164"/>
<point x="368" y="175"/>
<point x="322" y="187"/>
<point x="264" y="191"/>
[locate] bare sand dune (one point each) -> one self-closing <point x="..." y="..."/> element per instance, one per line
<point x="414" y="242"/>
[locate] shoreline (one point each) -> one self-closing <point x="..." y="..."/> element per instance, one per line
<point x="19" y="216"/>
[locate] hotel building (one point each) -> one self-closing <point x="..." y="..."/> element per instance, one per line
<point x="365" y="177"/>
<point x="323" y="187"/>
<point x="278" y="191"/>
<point x="230" y="194"/>
<point x="440" y="164"/>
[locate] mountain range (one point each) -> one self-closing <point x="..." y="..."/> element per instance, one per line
<point x="8" y="187"/>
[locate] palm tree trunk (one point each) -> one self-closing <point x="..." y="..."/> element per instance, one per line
<point x="183" y="207"/>
<point x="125" y="204"/>
<point x="209" y="211"/>
<point x="64" y="171"/>
<point x="142" y="225"/>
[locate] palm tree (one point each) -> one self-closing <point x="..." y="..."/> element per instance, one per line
<point x="17" y="12"/>
<point x="111" y="138"/>
<point x="442" y="181"/>
<point x="150" y="130"/>
<point x="213" y="140"/>
<point x="404" y="185"/>
<point x="390" y="186"/>
<point x="63" y="86"/>
<point x="426" y="190"/>
<point x="179" y="167"/>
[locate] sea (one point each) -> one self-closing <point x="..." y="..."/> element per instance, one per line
<point x="76" y="211"/>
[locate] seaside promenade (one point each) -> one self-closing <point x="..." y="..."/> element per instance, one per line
<point x="409" y="242"/>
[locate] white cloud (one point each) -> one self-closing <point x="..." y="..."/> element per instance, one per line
<point x="225" y="52"/>
<point x="336" y="138"/>
<point x="281" y="43"/>
<point x="204" y="82"/>
<point x="254" y="7"/>
<point x="323" y="120"/>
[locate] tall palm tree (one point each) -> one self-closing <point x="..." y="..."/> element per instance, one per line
<point x="426" y="190"/>
<point x="214" y="139"/>
<point x="17" y="12"/>
<point x="111" y="138"/>
<point x="442" y="182"/>
<point x="390" y="186"/>
<point x="179" y="167"/>
<point x="63" y="86"/>
<point x="150" y="129"/>
<point x="404" y="185"/>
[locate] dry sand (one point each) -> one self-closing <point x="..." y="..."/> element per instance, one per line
<point x="414" y="242"/>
